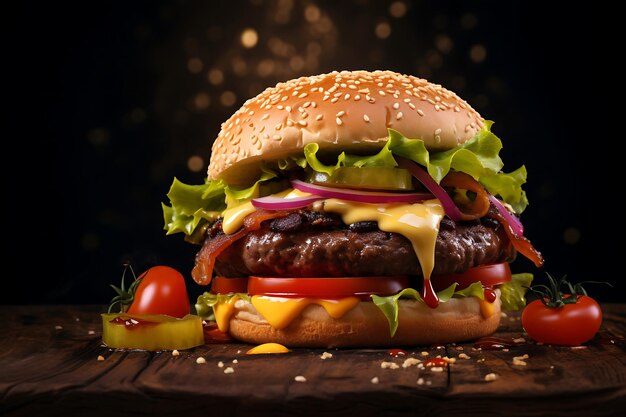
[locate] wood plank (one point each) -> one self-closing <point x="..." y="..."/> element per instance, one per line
<point x="51" y="371"/>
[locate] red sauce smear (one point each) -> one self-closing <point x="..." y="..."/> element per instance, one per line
<point x="132" y="323"/>
<point x="436" y="362"/>
<point x="396" y="353"/>
<point x="493" y="343"/>
<point x="213" y="335"/>
<point x="490" y="295"/>
<point x="428" y="294"/>
<point x="202" y="271"/>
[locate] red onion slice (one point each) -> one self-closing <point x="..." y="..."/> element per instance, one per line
<point x="424" y="177"/>
<point x="278" y="203"/>
<point x="359" y="196"/>
<point x="514" y="222"/>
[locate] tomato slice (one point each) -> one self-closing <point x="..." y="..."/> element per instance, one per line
<point x="331" y="288"/>
<point x="223" y="285"/>
<point x="488" y="275"/>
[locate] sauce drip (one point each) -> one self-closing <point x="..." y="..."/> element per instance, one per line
<point x="213" y="335"/>
<point x="131" y="323"/>
<point x="428" y="294"/>
<point x="396" y="353"/>
<point x="493" y="343"/>
<point x="436" y="362"/>
<point x="490" y="295"/>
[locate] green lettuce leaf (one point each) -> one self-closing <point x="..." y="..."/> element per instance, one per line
<point x="388" y="305"/>
<point x="478" y="157"/>
<point x="206" y="301"/>
<point x="512" y="294"/>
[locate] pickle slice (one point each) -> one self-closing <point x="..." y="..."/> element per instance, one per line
<point x="151" y="331"/>
<point x="367" y="178"/>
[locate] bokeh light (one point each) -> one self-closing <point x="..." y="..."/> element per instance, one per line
<point x="383" y="30"/>
<point x="478" y="53"/>
<point x="249" y="38"/>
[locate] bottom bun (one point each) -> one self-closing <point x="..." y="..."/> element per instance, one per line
<point x="365" y="325"/>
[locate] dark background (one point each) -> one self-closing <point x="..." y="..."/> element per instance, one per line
<point x="114" y="99"/>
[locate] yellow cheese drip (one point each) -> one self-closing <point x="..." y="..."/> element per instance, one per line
<point x="486" y="308"/>
<point x="279" y="312"/>
<point x="267" y="348"/>
<point x="417" y="222"/>
<point x="223" y="312"/>
<point x="233" y="217"/>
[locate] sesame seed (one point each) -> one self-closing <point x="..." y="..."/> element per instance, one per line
<point x="325" y="98"/>
<point x="200" y="360"/>
<point x="303" y="95"/>
<point x="341" y="113"/>
<point x="295" y="93"/>
<point x="343" y="85"/>
<point x="314" y="104"/>
<point x="437" y="107"/>
<point x="407" y="100"/>
<point x="420" y="112"/>
<point x="366" y="118"/>
<point x="357" y="97"/>
<point x="411" y="105"/>
<point x="305" y="115"/>
<point x="374" y="380"/>
<point x="265" y="116"/>
<point x="364" y="91"/>
<point x="229" y="370"/>
<point x="276" y="137"/>
<point x="278" y="126"/>
<point x="284" y="98"/>
<point x="381" y="92"/>
<point x="302" y="123"/>
<point x="352" y="87"/>
<point x="300" y="378"/>
<point x="457" y="109"/>
<point x="399" y="115"/>
<point x="346" y="97"/>
<point x="334" y="100"/>
<point x="100" y="358"/>
<point x="280" y="107"/>
<point x="289" y="122"/>
<point x="319" y="117"/>
<point x="396" y="106"/>
<point x="338" y="120"/>
<point x="380" y="84"/>
<point x="437" y="131"/>
<point x="288" y="108"/>
<point x="437" y="98"/>
<point x="337" y="94"/>
<point x="307" y="104"/>
<point x="467" y="128"/>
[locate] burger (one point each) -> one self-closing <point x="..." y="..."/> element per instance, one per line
<point x="355" y="209"/>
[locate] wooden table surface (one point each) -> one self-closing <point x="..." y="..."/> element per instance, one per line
<point x="49" y="367"/>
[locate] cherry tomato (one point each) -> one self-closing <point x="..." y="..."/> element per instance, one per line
<point x="222" y="285"/>
<point x="571" y="325"/>
<point x="488" y="275"/>
<point x="161" y="291"/>
<point x="326" y="287"/>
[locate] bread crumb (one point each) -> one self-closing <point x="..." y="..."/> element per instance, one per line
<point x="326" y="355"/>
<point x="503" y="314"/>
<point x="519" y="340"/>
<point x="464" y="356"/>
<point x="100" y="358"/>
<point x="410" y="362"/>
<point x="390" y="365"/>
<point x="57" y="327"/>
<point x="459" y="348"/>
<point x="220" y="364"/>
<point x="300" y="378"/>
<point x="519" y="360"/>
<point x="229" y="370"/>
<point x="449" y="360"/>
<point x="235" y="361"/>
<point x="175" y="353"/>
<point x="436" y="369"/>
<point x="429" y="382"/>
<point x="424" y="353"/>
<point x="374" y="380"/>
<point x="239" y="351"/>
<point x="481" y="360"/>
<point x="91" y="332"/>
<point x="200" y="360"/>
<point x="505" y="350"/>
<point x="578" y="347"/>
<point x="491" y="377"/>
<point x="420" y="381"/>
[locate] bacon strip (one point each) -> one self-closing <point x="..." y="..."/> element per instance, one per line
<point x="520" y="243"/>
<point x="202" y="272"/>
<point x="471" y="210"/>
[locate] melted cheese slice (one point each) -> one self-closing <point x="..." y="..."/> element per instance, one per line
<point x="267" y="348"/>
<point x="280" y="312"/>
<point x="418" y="222"/>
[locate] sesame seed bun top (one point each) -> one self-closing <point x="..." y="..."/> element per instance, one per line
<point x="341" y="111"/>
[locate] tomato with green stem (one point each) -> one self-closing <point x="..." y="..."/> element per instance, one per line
<point x="159" y="290"/>
<point x="558" y="318"/>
